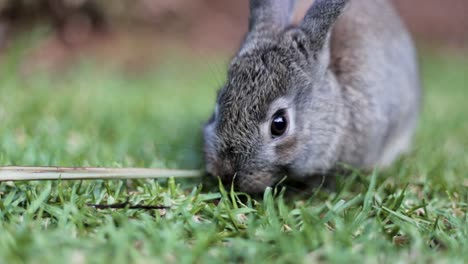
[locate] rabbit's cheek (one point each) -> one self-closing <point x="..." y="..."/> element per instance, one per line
<point x="285" y="150"/>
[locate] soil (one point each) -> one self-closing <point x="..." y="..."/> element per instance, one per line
<point x="136" y="36"/>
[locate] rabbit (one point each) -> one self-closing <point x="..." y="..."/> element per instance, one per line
<point x="341" y="87"/>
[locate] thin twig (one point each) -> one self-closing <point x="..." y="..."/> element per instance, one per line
<point x="127" y="205"/>
<point x="15" y="173"/>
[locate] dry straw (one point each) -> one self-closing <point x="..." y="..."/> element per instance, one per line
<point x="13" y="173"/>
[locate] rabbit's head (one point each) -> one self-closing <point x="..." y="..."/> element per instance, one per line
<point x="276" y="115"/>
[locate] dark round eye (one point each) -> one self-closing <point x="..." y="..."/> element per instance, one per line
<point x="279" y="123"/>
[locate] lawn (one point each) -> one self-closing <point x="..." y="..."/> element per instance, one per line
<point x="415" y="211"/>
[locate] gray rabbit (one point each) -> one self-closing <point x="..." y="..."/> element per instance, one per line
<point x="341" y="87"/>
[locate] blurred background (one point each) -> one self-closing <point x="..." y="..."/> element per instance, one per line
<point x="131" y="82"/>
<point x="135" y="33"/>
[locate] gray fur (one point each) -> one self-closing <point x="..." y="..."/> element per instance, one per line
<point x="349" y="83"/>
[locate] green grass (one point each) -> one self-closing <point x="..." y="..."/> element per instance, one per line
<point x="416" y="211"/>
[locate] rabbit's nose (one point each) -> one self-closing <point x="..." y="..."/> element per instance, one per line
<point x="227" y="179"/>
<point x="227" y="172"/>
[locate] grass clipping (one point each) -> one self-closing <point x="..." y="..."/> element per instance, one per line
<point x="16" y="173"/>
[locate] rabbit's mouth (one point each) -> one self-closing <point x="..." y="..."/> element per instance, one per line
<point x="254" y="183"/>
<point x="293" y="186"/>
<point x="304" y="185"/>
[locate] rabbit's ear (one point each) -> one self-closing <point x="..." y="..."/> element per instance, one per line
<point x="319" y="20"/>
<point x="267" y="16"/>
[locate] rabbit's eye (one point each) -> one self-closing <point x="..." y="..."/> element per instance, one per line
<point x="279" y="124"/>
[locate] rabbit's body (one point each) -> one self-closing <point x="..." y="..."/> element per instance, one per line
<point x="375" y="63"/>
<point x="304" y="100"/>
